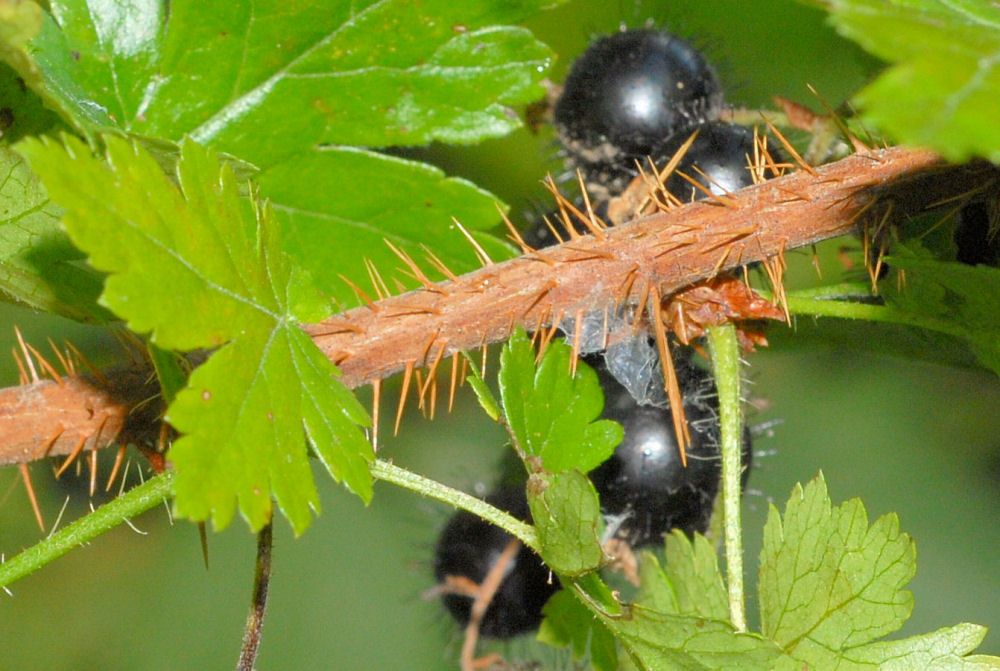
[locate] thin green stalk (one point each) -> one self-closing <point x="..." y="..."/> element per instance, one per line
<point x="726" y="363"/>
<point x="133" y="502"/>
<point x="384" y="470"/>
<point x="826" y="302"/>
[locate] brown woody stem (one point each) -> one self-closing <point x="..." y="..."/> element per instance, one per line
<point x="665" y="251"/>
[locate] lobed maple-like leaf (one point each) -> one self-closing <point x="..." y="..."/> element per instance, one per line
<point x="830" y="585"/>
<point x="555" y="416"/>
<point x="189" y="265"/>
<point x="942" y="88"/>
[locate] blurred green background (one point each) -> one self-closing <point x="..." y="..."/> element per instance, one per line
<point x="915" y="438"/>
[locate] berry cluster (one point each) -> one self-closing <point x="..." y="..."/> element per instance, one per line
<point x="638" y="95"/>
<point x="631" y="95"/>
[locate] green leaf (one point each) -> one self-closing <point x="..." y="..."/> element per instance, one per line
<point x="689" y="583"/>
<point x="569" y="623"/>
<point x="827" y="579"/>
<point x="567" y="516"/>
<point x="552" y="414"/>
<point x="830" y="585"/>
<point x="39" y="266"/>
<point x="21" y="111"/>
<point x="487" y="401"/>
<point x="334" y="201"/>
<point x="942" y="90"/>
<point x="962" y="299"/>
<point x="187" y="264"/>
<point x="265" y="80"/>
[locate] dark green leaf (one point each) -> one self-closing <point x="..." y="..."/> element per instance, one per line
<point x="567" y="517"/>
<point x="552" y="414"/>
<point x="334" y="201"/>
<point x="264" y="80"/>
<point x="942" y="90"/>
<point x="188" y="264"/>
<point x="39" y="266"/>
<point x="961" y="298"/>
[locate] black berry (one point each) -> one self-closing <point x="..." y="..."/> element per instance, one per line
<point x="469" y="547"/>
<point x="643" y="486"/>
<point x="631" y="90"/>
<point x="722" y="154"/>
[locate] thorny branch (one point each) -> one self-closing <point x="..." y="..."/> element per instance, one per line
<point x="656" y="255"/>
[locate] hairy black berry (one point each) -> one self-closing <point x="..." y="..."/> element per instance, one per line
<point x="628" y="92"/>
<point x="644" y="487"/>
<point x="719" y="159"/>
<point x="469" y="547"/>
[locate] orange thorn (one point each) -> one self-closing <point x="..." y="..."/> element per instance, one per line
<point x="94" y="370"/>
<point x="789" y="148"/>
<point x="672" y="387"/>
<point x="407" y="376"/>
<point x="27" y="355"/>
<point x="418" y="274"/>
<point x="26" y="477"/>
<point x="92" y="463"/>
<point x="63" y="361"/>
<point x="574" y="355"/>
<point x="119" y="458"/>
<point x="514" y="234"/>
<point x="376" y="404"/>
<point x="72" y="456"/>
<point x="22" y="377"/>
<point x="360" y="293"/>
<point x="481" y="254"/>
<point x="453" y="381"/>
<point x="375" y="277"/>
<point x="438" y="263"/>
<point x="552" y="229"/>
<point x="591" y="220"/>
<point x="46" y="367"/>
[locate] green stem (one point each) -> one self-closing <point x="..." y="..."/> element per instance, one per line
<point x="133" y="502"/>
<point x="828" y="302"/>
<point x="384" y="470"/>
<point x="726" y="363"/>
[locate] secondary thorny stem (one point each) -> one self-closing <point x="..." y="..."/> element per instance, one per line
<point x="664" y="252"/>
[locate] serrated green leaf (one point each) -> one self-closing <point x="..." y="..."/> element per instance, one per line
<point x="39" y="266"/>
<point x="569" y="623"/>
<point x="567" y="516"/>
<point x="315" y="196"/>
<point x="661" y="642"/>
<point x="688" y="583"/>
<point x="552" y="414"/>
<point x="263" y="80"/>
<point x="188" y="264"/>
<point x="487" y="401"/>
<point x="827" y="579"/>
<point x="942" y="90"/>
<point x="960" y="297"/>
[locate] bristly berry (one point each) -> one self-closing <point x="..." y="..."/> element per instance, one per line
<point x="630" y="91"/>
<point x="644" y="487"/>
<point x="469" y="547"/>
<point x="722" y="154"/>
